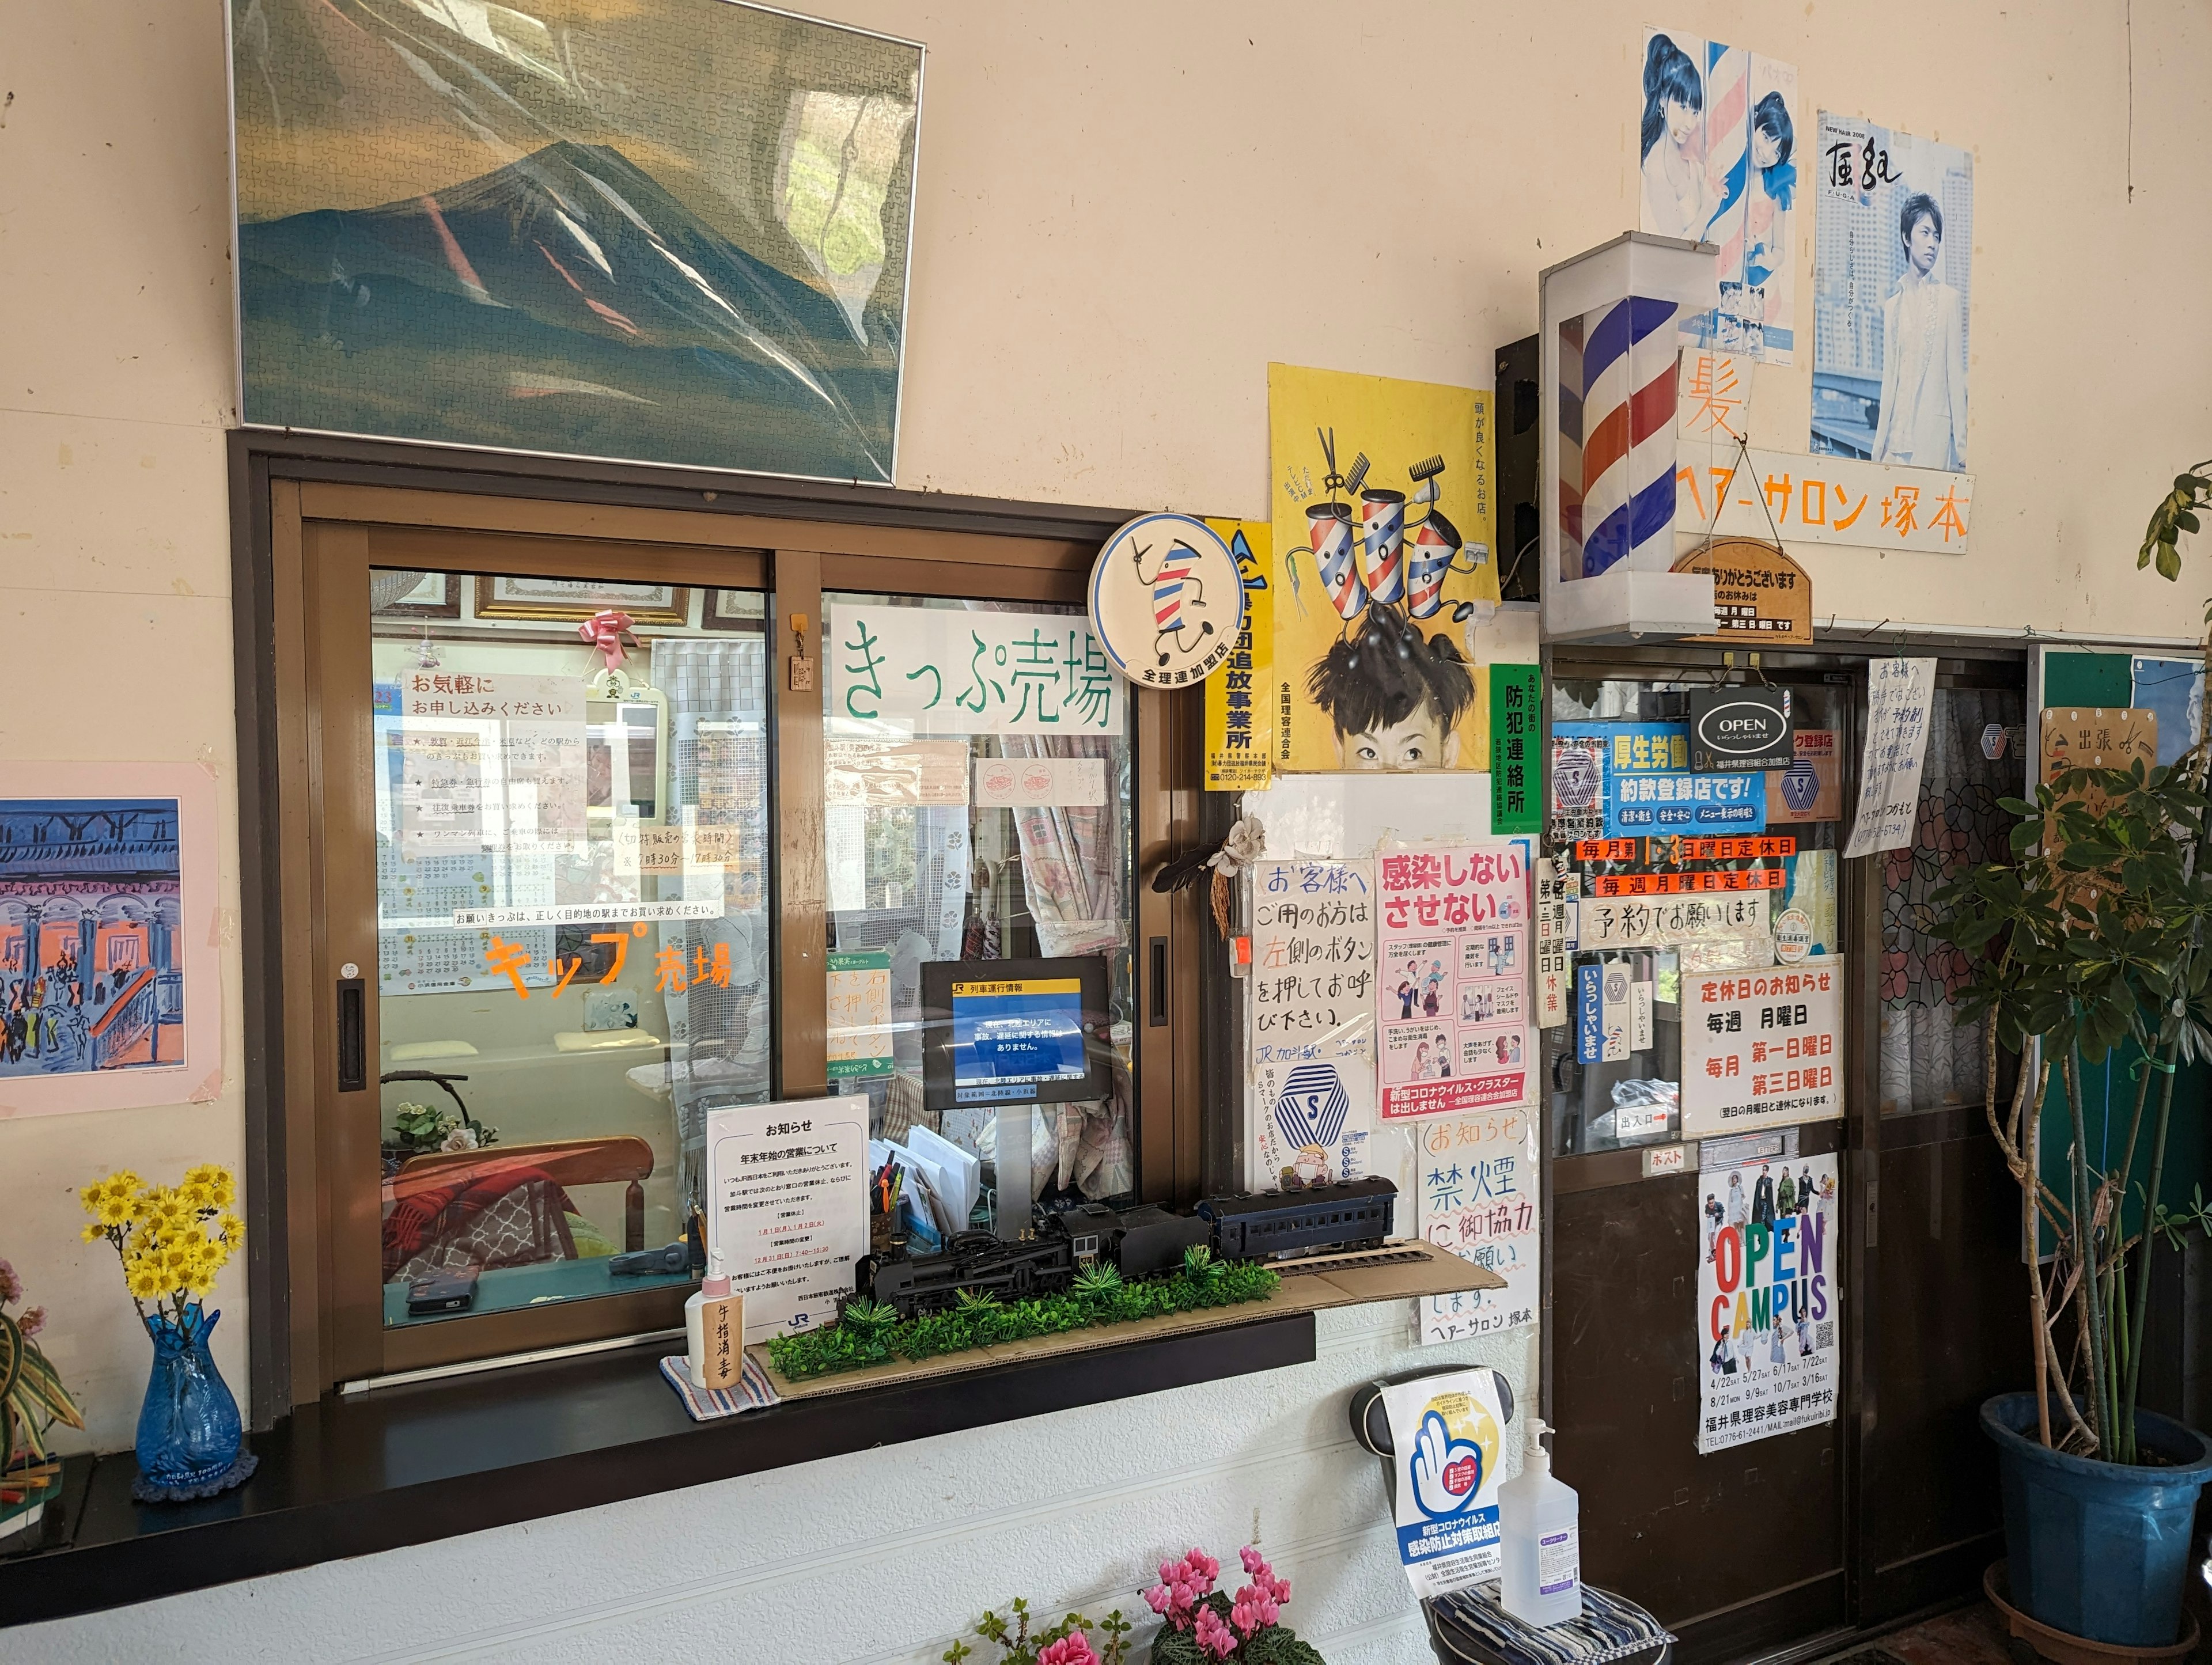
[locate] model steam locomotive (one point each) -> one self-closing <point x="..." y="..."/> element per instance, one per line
<point x="1137" y="1242"/>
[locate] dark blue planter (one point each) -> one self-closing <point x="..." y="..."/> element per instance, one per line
<point x="2098" y="1550"/>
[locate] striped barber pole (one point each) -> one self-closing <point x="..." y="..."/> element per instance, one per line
<point x="1628" y="423"/>
<point x="1570" y="448"/>
<point x="1382" y="542"/>
<point x="1728" y="154"/>
<point x="1429" y="551"/>
<point x="1328" y="529"/>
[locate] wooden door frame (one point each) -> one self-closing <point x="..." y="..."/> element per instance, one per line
<point x="420" y="503"/>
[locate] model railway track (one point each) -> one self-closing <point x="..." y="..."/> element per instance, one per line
<point x="1301" y="1268"/>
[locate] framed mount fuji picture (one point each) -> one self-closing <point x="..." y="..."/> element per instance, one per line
<point x="658" y="231"/>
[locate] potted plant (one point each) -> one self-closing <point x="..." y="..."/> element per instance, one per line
<point x="33" y="1400"/>
<point x="2093" y="936"/>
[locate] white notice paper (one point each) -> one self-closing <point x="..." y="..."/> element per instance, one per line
<point x="1761" y="1048"/>
<point x="1313" y="962"/>
<point x="1898" y="695"/>
<point x="1478" y="1199"/>
<point x="1041" y="782"/>
<point x="787" y="1199"/>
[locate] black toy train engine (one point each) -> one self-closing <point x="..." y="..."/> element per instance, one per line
<point x="1139" y="1242"/>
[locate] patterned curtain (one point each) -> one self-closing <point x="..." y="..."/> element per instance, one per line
<point x="1927" y="1060"/>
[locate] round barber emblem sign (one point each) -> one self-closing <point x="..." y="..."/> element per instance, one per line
<point x="1166" y="602"/>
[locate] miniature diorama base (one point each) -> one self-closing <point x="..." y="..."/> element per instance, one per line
<point x="1403" y="1271"/>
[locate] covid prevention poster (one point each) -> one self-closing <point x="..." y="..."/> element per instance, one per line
<point x="1766" y="1298"/>
<point x="1455" y="1029"/>
<point x="1446" y="1432"/>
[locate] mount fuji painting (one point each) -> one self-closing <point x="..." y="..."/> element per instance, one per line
<point x="668" y="231"/>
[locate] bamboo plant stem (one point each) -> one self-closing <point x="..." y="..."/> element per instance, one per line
<point x="2084" y="1254"/>
<point x="2142" y="1271"/>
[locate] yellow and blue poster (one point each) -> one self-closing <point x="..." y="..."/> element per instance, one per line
<point x="1240" y="721"/>
<point x="1446" y="1433"/>
<point x="1383" y="512"/>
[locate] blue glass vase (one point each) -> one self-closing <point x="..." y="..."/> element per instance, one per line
<point x="189" y="1433"/>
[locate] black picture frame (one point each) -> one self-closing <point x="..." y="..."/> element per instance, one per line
<point x="942" y="1084"/>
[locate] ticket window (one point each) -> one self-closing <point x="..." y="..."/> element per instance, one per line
<point x="571" y="952"/>
<point x="976" y="812"/>
<point x="1714" y="893"/>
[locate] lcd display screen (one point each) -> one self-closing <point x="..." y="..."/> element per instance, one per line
<point x="1013" y="1031"/>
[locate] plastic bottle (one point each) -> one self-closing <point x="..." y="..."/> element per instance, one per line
<point x="1541" y="1581"/>
<point x="713" y="1288"/>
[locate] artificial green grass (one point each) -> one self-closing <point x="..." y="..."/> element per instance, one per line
<point x="872" y="1334"/>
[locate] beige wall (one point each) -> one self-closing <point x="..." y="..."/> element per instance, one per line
<point x="1124" y="212"/>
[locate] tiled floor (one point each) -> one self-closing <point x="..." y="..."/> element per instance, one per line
<point x="1967" y="1635"/>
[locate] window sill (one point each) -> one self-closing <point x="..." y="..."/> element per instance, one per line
<point x="414" y="1464"/>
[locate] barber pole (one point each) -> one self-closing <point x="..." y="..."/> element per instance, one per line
<point x="1429" y="555"/>
<point x="1329" y="528"/>
<point x="1628" y="415"/>
<point x="1382" y="542"/>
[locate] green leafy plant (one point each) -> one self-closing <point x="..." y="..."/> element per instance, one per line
<point x="2093" y="936"/>
<point x="2175" y="515"/>
<point x="865" y="1336"/>
<point x="32" y="1399"/>
<point x="417" y="1129"/>
<point x="1067" y="1643"/>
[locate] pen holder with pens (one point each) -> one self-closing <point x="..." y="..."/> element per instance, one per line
<point x="887" y="1230"/>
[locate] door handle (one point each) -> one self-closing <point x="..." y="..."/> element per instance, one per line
<point x="1157" y="1017"/>
<point x="353" y="1036"/>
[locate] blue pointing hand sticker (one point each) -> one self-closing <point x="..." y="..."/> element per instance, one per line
<point x="1447" y="1471"/>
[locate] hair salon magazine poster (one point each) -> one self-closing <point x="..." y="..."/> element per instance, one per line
<point x="1767" y="1298"/>
<point x="1455" y="1045"/>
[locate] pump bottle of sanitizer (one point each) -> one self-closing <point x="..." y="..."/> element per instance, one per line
<point x="1541" y="1580"/>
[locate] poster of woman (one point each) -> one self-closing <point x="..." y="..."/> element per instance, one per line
<point x="1716" y="155"/>
<point x="1892" y="278"/>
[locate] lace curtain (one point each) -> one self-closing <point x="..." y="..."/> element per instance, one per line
<point x="1927" y="1060"/>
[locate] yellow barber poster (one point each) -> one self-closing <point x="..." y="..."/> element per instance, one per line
<point x="1382" y="510"/>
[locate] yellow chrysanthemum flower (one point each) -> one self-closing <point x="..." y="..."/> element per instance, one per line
<point x="95" y="1232"/>
<point x="115" y="1211"/>
<point x="145" y="1285"/>
<point x="233" y="1229"/>
<point x="92" y="1196"/>
<point x="197" y="1194"/>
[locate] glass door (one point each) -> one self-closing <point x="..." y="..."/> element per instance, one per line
<point x="562" y="833"/>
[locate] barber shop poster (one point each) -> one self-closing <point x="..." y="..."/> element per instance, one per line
<point x="1454" y="1028"/>
<point x="1381" y="506"/>
<point x="1766" y="1298"/>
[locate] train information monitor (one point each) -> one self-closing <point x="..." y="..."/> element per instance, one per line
<point x="1013" y="1031"/>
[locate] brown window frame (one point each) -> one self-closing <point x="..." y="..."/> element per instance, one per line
<point x="309" y="525"/>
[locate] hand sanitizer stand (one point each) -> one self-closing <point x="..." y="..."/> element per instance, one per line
<point x="1470" y="1628"/>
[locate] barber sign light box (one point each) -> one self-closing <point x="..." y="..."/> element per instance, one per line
<point x="1608" y="330"/>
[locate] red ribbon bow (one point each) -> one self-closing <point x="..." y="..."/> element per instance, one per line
<point x="604" y="631"/>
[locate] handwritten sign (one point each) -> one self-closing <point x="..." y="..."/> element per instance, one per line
<point x="1478" y="1199"/>
<point x="1313" y="962"/>
<point x="1453" y="954"/>
<point x="1762" y="1048"/>
<point x="1558" y="891"/>
<point x="1825" y="500"/>
<point x="947" y="671"/>
<point x="1659" y="922"/>
<point x="858" y="1017"/>
<point x="2083" y="737"/>
<point x="1898" y="695"/>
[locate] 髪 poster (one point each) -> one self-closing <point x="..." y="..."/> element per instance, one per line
<point x="1382" y="513"/>
<point x="1766" y="1298"/>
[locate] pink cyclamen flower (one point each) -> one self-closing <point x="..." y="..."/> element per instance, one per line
<point x="11" y="1286"/>
<point x="34" y="1321"/>
<point x="1214" y="1636"/>
<point x="1254" y="1610"/>
<point x="1074" y="1648"/>
<point x="1254" y="1563"/>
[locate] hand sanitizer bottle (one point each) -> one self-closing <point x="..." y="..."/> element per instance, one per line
<point x="712" y="1349"/>
<point x="1541" y="1580"/>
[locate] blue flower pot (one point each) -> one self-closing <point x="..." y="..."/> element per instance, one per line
<point x="2098" y="1550"/>
<point x="188" y="1429"/>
